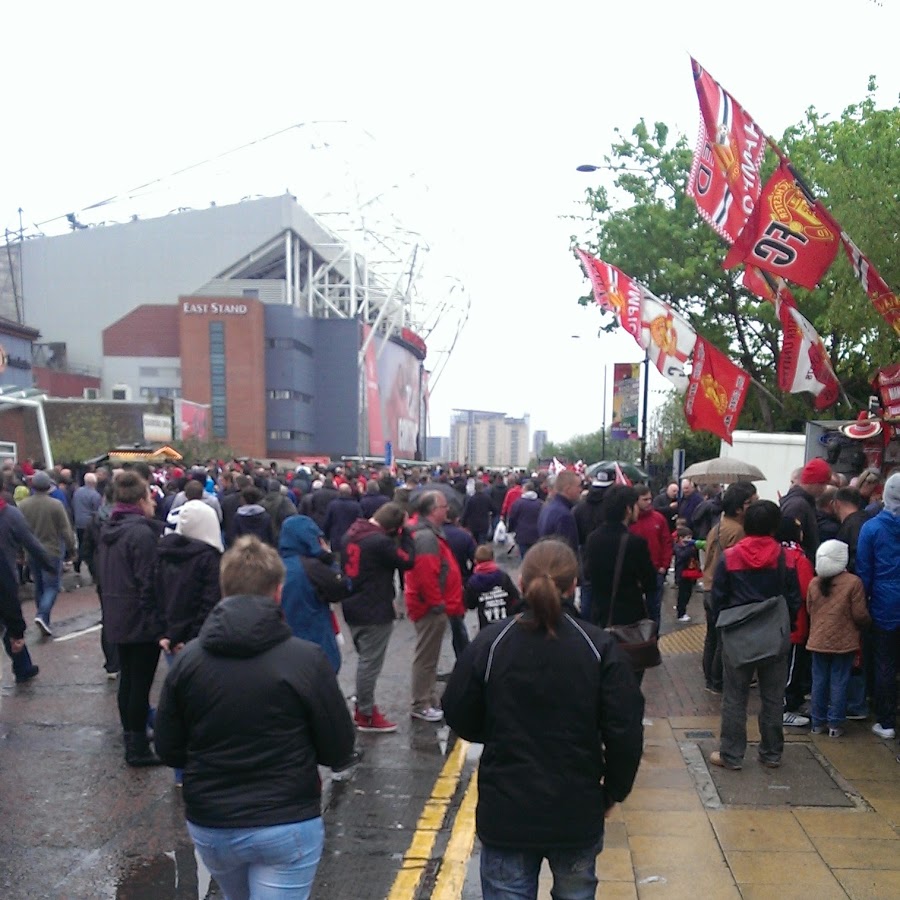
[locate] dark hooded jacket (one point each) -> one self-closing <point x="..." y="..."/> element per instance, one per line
<point x="278" y="506"/>
<point x="342" y="513"/>
<point x="248" y="711"/>
<point x="251" y="518"/>
<point x="370" y="504"/>
<point x="588" y="513"/>
<point x="310" y="585"/>
<point x="319" y="501"/>
<point x="369" y="557"/>
<point x="800" y="505"/>
<point x="187" y="585"/>
<point x="127" y="568"/>
<point x="523" y="518"/>
<point x="491" y="591"/>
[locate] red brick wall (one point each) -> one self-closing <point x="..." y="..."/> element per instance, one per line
<point x="245" y="334"/>
<point x="148" y="330"/>
<point x="63" y="384"/>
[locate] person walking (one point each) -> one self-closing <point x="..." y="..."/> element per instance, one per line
<point x="131" y="612"/>
<point x="373" y="550"/>
<point x="837" y="612"/>
<point x="86" y="500"/>
<point x="523" y="518"/>
<point x="752" y="571"/>
<point x="556" y="518"/>
<point x="540" y="797"/>
<point x="49" y="522"/>
<point x="490" y="590"/>
<point x="252" y="795"/>
<point x="878" y="565"/>
<point x="432" y="586"/>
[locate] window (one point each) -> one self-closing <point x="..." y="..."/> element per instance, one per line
<point x="285" y="394"/>
<point x="289" y="344"/>
<point x="218" y="393"/>
<point x="285" y="435"/>
<point x="148" y="372"/>
<point x="151" y="393"/>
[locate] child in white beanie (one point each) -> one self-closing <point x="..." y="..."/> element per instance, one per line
<point x="837" y="611"/>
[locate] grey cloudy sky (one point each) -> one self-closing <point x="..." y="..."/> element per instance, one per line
<point x="478" y="112"/>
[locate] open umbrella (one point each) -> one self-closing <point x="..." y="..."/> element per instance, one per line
<point x="454" y="498"/>
<point x="630" y="470"/>
<point x="722" y="470"/>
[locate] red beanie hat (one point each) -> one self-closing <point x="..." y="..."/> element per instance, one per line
<point x="816" y="471"/>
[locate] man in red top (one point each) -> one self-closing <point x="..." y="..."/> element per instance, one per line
<point x="653" y="527"/>
<point x="513" y="494"/>
<point x="433" y="587"/>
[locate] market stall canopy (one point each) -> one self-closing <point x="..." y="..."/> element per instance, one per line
<point x="137" y="452"/>
<point x="722" y="470"/>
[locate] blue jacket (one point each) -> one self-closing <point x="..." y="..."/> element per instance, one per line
<point x="523" y="518"/>
<point x="310" y="585"/>
<point x="878" y="564"/>
<point x="558" y="520"/>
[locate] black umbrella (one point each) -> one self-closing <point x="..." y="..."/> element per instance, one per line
<point x="454" y="498"/>
<point x="629" y="470"/>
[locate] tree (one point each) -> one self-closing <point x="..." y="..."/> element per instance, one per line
<point x="674" y="433"/>
<point x="588" y="448"/>
<point x="88" y="434"/>
<point x="656" y="236"/>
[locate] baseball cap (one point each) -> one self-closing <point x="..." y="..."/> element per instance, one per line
<point x="602" y="479"/>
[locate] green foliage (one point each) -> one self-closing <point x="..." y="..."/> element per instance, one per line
<point x="196" y="451"/>
<point x="674" y="433"/>
<point x="655" y="234"/>
<point x="88" y="434"/>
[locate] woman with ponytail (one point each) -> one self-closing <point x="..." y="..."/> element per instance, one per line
<point x="557" y="707"/>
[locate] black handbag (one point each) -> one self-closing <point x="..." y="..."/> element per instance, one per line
<point x="640" y="640"/>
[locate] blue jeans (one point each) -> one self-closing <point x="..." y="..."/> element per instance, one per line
<point x="830" y="677"/>
<point x="513" y="874"/>
<point x="46" y="587"/>
<point x="274" y="863"/>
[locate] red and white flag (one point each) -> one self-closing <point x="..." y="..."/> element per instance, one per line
<point x="615" y="292"/>
<point x="668" y="339"/>
<point x="789" y="234"/>
<point x="883" y="298"/>
<point x="621" y="477"/>
<point x="716" y="393"/>
<point x="724" y="180"/>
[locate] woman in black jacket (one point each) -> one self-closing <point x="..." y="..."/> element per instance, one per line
<point x="373" y="550"/>
<point x="555" y="760"/>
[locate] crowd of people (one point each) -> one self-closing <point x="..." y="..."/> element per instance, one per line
<point x="222" y="567"/>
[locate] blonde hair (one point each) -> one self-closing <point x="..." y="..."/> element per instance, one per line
<point x="250" y="567"/>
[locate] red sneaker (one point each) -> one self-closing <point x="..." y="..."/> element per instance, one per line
<point x="375" y="722"/>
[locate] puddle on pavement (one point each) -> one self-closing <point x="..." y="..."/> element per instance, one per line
<point x="174" y="875"/>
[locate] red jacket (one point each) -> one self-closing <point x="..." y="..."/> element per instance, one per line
<point x="512" y="495"/>
<point x="653" y="527"/>
<point x="434" y="580"/>
<point x="805" y="575"/>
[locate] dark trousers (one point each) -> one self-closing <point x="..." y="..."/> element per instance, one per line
<point x="110" y="650"/>
<point x="137" y="667"/>
<point x="887" y="652"/>
<point x="799" y="676"/>
<point x="79" y="533"/>
<point x="21" y="661"/>
<point x="685" y="589"/>
<point x="712" y="650"/>
<point x="458" y="634"/>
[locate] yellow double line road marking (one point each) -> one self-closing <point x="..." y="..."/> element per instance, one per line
<point x="430" y="823"/>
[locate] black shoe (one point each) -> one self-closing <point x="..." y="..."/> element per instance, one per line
<point x="138" y="752"/>
<point x="21" y="679"/>
<point x="712" y="689"/>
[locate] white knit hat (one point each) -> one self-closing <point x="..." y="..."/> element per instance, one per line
<point x="199" y="521"/>
<point x="831" y="558"/>
<point x="891" y="495"/>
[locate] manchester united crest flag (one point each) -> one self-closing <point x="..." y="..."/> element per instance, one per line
<point x="716" y="392"/>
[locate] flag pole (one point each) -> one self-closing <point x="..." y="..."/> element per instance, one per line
<point x="644" y="412"/>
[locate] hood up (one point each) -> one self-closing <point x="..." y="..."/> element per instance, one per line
<point x="243" y="626"/>
<point x="300" y="537"/>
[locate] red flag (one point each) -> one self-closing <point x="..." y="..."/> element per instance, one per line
<point x="621" y="477"/>
<point x="787" y="235"/>
<point x="716" y="393"/>
<point x="883" y="298"/>
<point x="616" y="292"/>
<point x="724" y="179"/>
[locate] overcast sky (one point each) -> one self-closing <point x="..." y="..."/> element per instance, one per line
<point x="477" y="112"/>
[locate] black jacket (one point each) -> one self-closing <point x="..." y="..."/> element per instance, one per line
<point x="251" y="518"/>
<point x="588" y="513"/>
<point x="523" y="518"/>
<point x="554" y="758"/>
<point x="798" y="504"/>
<point x="187" y="585"/>
<point x="341" y="514"/>
<point x="491" y="591"/>
<point x="319" y="501"/>
<point x="638" y="580"/>
<point x="248" y="711"/>
<point x="230" y="503"/>
<point x="126" y="563"/>
<point x="849" y="534"/>
<point x="477" y="513"/>
<point x="369" y="557"/>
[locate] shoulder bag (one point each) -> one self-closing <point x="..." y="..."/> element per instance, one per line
<point x="639" y="639"/>
<point x="756" y="632"/>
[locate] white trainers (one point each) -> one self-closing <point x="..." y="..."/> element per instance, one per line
<point x="684" y="618"/>
<point x="794" y="720"/>
<point x="888" y="733"/>
<point x="428" y="714"/>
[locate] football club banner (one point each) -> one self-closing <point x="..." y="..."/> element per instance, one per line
<point x="615" y="292"/>
<point x="626" y="402"/>
<point x="716" y="392"/>
<point x="724" y="180"/>
<point x="668" y="339"/>
<point x="789" y="234"/>
<point x="883" y="298"/>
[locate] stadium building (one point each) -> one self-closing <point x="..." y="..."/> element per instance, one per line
<point x="269" y="333"/>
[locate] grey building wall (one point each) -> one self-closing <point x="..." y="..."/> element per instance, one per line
<point x="78" y="283"/>
<point x="337" y="386"/>
<point x="18" y="369"/>
<point x="290" y="367"/>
